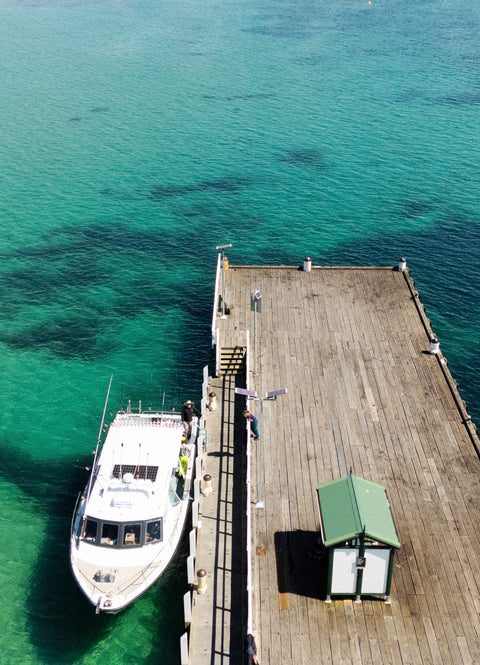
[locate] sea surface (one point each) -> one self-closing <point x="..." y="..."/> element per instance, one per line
<point x="136" y="135"/>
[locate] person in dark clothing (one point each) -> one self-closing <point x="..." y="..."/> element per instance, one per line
<point x="253" y="423"/>
<point x="251" y="650"/>
<point x="188" y="411"/>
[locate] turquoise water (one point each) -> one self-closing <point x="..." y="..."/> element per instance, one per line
<point x="138" y="135"/>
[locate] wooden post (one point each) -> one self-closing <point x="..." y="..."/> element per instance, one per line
<point x="187" y="609"/>
<point x="184" y="649"/>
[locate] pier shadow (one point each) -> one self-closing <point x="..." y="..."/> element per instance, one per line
<point x="302" y="564"/>
<point x="239" y="529"/>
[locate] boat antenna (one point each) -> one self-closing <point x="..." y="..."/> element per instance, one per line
<point x="163" y="401"/>
<point x="139" y="459"/>
<point x="104" y="410"/>
<point x="99" y="438"/>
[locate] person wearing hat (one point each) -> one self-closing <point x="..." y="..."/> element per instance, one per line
<point x="188" y="411"/>
<point x="253" y="423"/>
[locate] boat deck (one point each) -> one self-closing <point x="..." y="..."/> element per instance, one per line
<point x="351" y="345"/>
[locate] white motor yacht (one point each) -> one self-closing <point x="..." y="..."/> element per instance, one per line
<point x="129" y="520"/>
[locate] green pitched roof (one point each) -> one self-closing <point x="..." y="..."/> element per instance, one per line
<point x="348" y="505"/>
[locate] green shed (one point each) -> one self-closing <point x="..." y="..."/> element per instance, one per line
<point x="358" y="531"/>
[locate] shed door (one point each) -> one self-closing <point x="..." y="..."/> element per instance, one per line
<point x="344" y="570"/>
<point x="376" y="571"/>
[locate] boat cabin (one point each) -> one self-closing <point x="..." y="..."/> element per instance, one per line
<point x="358" y="532"/>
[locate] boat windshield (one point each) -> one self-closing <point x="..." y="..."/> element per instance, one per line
<point x="109" y="534"/>
<point x="154" y="531"/>
<point x="90" y="532"/>
<point x="131" y="534"/>
<point x="113" y="534"/>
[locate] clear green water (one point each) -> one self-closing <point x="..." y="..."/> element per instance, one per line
<point x="138" y="135"/>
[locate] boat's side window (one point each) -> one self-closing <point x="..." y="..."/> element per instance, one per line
<point x="131" y="534"/>
<point x="91" y="530"/>
<point x="109" y="534"/>
<point x="154" y="531"/>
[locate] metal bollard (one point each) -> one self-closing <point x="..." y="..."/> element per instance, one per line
<point x="307" y="264"/>
<point x="202" y="580"/>
<point x="402" y="264"/>
<point x="434" y="345"/>
<point x="212" y="402"/>
<point x="207" y="490"/>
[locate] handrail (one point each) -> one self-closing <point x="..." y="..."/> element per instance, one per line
<point x="218" y="353"/>
<point x="215" y="299"/>
<point x="249" y="506"/>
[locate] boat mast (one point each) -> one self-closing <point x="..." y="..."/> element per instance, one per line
<point x="99" y="439"/>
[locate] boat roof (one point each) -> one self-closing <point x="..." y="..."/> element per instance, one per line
<point x="135" y="467"/>
<point x="351" y="506"/>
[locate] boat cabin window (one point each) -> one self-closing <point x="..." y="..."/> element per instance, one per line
<point x="131" y="534"/>
<point x="154" y="531"/>
<point x="90" y="532"/>
<point x="114" y="534"/>
<point x="109" y="534"/>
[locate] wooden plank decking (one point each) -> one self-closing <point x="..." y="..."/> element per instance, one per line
<point x="217" y="630"/>
<point x="351" y="345"/>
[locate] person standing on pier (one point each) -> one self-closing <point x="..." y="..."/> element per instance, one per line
<point x="251" y="650"/>
<point x="188" y="411"/>
<point x="253" y="423"/>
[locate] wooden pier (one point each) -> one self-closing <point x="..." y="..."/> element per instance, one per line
<point x="352" y="346"/>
